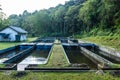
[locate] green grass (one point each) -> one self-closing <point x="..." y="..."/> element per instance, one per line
<point x="115" y="66"/>
<point x="4" y="45"/>
<point x="31" y="39"/>
<point x="110" y="41"/>
<point x="2" y="65"/>
<point x="56" y="76"/>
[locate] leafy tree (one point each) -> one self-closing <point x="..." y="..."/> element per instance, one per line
<point x="76" y="16"/>
<point x="3" y="21"/>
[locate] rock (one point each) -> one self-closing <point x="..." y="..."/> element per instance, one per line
<point x="74" y="65"/>
<point x="32" y="65"/>
<point x="7" y="72"/>
<point x="101" y="66"/>
<point x="82" y="65"/>
<point x="100" y="72"/>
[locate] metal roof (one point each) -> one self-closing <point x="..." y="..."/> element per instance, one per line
<point x="18" y="29"/>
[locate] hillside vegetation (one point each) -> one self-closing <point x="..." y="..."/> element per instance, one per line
<point x="76" y="17"/>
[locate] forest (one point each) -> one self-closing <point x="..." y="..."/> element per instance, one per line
<point x="74" y="18"/>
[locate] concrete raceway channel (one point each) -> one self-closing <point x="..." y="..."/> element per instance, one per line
<point x="86" y="49"/>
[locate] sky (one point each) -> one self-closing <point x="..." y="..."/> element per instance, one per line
<point x="18" y="6"/>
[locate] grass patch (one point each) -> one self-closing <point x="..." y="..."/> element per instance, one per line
<point x="115" y="66"/>
<point x="31" y="39"/>
<point x="4" y="45"/>
<point x="57" y="76"/>
<point x="2" y="65"/>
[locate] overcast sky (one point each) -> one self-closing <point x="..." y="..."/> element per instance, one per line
<point x="18" y="6"/>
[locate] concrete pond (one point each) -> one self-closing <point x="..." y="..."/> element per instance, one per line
<point x="79" y="55"/>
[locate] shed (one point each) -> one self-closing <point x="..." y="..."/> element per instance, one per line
<point x="13" y="33"/>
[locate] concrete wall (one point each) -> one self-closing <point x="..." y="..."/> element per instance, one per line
<point x="94" y="57"/>
<point x="51" y="48"/>
<point x="109" y="53"/>
<point x="11" y="32"/>
<point x="23" y="37"/>
<point x="19" y="55"/>
<point x="12" y="36"/>
<point x="0" y="37"/>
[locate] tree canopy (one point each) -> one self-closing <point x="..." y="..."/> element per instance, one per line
<point x="75" y="17"/>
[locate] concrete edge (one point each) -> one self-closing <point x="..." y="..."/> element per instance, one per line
<point x="65" y="55"/>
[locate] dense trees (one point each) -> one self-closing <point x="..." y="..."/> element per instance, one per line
<point x="3" y="21"/>
<point x="75" y="17"/>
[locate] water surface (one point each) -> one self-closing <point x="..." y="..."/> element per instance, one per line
<point x="75" y="56"/>
<point x="36" y="57"/>
<point x="8" y="55"/>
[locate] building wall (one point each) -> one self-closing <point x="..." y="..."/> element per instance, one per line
<point x="11" y="32"/>
<point x="23" y="37"/>
<point x="0" y="37"/>
<point x="12" y="36"/>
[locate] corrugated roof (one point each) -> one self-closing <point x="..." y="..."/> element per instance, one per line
<point x="18" y="29"/>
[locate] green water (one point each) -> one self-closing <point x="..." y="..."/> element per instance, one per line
<point x="75" y="56"/>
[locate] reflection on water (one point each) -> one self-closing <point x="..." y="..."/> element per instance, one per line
<point x="75" y="56"/>
<point x="8" y="55"/>
<point x="36" y="57"/>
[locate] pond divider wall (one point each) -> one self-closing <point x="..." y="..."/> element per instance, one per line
<point x="109" y="53"/>
<point x="40" y="46"/>
<point x="24" y="46"/>
<point x="66" y="55"/>
<point x="20" y="55"/>
<point x="51" y="48"/>
<point x="57" y="69"/>
<point x="94" y="57"/>
<point x="44" y="40"/>
<point x="87" y="45"/>
<point x="64" y="40"/>
<point x="13" y="67"/>
<point x="74" y="40"/>
<point x="8" y="49"/>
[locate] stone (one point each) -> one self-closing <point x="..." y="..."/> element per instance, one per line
<point x="100" y="72"/>
<point x="82" y="65"/>
<point x="7" y="72"/>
